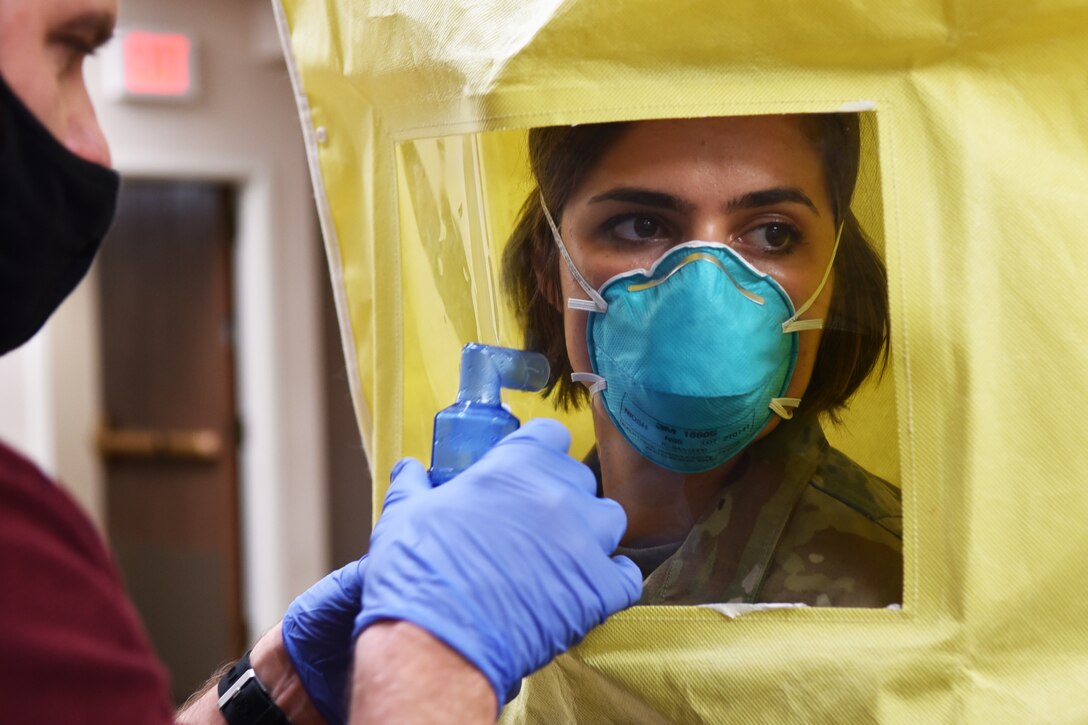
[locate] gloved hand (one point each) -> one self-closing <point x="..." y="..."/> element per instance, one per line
<point x="509" y="563"/>
<point x="317" y="632"/>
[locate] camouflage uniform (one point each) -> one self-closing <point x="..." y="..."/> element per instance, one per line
<point x="821" y="531"/>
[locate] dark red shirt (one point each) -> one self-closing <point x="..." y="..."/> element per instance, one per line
<point x="72" y="648"/>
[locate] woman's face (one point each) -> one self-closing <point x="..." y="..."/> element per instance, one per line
<point x="755" y="183"/>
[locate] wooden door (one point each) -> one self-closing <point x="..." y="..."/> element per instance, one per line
<point x="168" y="438"/>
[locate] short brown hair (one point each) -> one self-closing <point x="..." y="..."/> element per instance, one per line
<point x="855" y="337"/>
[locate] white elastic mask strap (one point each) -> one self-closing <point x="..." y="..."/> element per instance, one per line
<point x="595" y="383"/>
<point x="595" y="303"/>
<point x="783" y="407"/>
<point x="795" y="325"/>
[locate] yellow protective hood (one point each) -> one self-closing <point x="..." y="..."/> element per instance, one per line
<point x="414" y="116"/>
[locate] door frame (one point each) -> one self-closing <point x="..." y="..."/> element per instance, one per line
<point x="278" y="384"/>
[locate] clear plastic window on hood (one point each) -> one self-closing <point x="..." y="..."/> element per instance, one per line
<point x="712" y="299"/>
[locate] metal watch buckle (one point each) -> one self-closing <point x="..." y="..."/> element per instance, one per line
<point x="235" y="688"/>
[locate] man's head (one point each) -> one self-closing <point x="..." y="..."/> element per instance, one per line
<point x="56" y="196"/>
<point x="42" y="47"/>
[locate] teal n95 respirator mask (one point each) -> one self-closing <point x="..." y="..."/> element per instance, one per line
<point x="692" y="356"/>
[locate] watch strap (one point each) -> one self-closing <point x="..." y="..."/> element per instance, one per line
<point x="243" y="699"/>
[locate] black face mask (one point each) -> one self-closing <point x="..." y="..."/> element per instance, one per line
<point x="54" y="210"/>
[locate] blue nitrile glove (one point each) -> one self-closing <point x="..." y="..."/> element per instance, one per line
<point x="317" y="635"/>
<point x="509" y="563"/>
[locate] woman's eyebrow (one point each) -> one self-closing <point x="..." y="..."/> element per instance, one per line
<point x="770" y="197"/>
<point x="644" y="197"/>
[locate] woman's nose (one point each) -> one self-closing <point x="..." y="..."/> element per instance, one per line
<point x="710" y="228"/>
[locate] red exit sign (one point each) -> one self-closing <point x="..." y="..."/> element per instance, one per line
<point x="152" y="65"/>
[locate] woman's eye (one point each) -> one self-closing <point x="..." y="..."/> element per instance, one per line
<point x="638" y="228"/>
<point x="775" y="237"/>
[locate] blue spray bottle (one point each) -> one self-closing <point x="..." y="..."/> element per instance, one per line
<point x="466" y="430"/>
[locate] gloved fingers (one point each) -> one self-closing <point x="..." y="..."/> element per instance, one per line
<point x="536" y="455"/>
<point x="626" y="586"/>
<point x="407" y="478"/>
<point x="349" y="580"/>
<point x="607" y="520"/>
<point x="541" y="431"/>
<point x="317" y="636"/>
<point x="581" y="477"/>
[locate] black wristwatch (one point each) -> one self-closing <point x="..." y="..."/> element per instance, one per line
<point x="243" y="699"/>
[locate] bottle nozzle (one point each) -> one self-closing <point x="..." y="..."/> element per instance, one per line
<point x="486" y="369"/>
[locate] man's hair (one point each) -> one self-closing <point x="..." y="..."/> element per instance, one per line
<point x="855" y="336"/>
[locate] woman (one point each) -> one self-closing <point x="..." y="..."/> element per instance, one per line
<point x="702" y="279"/>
